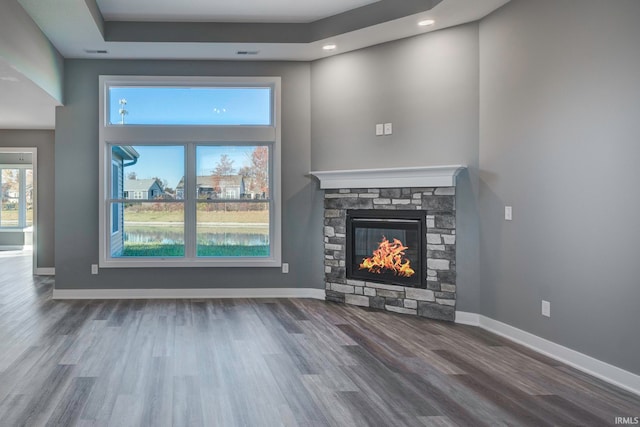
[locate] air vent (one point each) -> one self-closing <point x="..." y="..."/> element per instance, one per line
<point x="248" y="52"/>
<point x="98" y="51"/>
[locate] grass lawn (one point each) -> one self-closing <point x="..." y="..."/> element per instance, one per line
<point x="203" y="216"/>
<point x="10" y="216"/>
<point x="167" y="250"/>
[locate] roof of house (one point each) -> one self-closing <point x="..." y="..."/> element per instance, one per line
<point x="126" y="152"/>
<point x="211" y="181"/>
<point x="139" y="184"/>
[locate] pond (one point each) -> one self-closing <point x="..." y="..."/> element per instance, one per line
<point x="176" y="236"/>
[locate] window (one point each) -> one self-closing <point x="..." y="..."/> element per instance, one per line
<point x="16" y="207"/>
<point x="194" y="177"/>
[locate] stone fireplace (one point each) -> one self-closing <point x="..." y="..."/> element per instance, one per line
<point x="377" y="214"/>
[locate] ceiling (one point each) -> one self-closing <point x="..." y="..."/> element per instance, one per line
<point x="23" y="104"/>
<point x="217" y="30"/>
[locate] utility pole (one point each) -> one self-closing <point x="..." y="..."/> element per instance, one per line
<point x="123" y="112"/>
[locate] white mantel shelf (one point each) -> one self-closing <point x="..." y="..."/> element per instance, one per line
<point x="424" y="176"/>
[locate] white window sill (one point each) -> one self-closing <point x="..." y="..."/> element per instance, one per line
<point x="170" y="262"/>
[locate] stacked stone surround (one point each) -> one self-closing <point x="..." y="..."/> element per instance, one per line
<point x="436" y="297"/>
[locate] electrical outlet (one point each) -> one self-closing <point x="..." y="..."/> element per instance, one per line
<point x="285" y="267"/>
<point x="546" y="308"/>
<point x="94" y="268"/>
<point x="508" y="213"/>
<point x="388" y="128"/>
<point x="379" y="129"/>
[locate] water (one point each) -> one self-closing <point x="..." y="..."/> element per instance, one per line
<point x="171" y="237"/>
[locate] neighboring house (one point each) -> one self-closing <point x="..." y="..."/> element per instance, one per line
<point x="216" y="187"/>
<point x="142" y="189"/>
<point x="122" y="156"/>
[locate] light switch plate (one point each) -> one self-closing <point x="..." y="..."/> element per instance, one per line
<point x="388" y="128"/>
<point x="546" y="308"/>
<point x="379" y="129"/>
<point x="508" y="213"/>
<point x="285" y="267"/>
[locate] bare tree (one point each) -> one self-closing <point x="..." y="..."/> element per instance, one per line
<point x="260" y="170"/>
<point x="224" y="166"/>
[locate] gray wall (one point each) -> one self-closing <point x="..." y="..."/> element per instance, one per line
<point x="12" y="238"/>
<point x="43" y="141"/>
<point x="427" y="86"/>
<point x="559" y="141"/>
<point x="76" y="183"/>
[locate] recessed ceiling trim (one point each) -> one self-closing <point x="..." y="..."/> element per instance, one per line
<point x="231" y="32"/>
<point x="292" y="11"/>
<point x="367" y="16"/>
<point x="205" y="32"/>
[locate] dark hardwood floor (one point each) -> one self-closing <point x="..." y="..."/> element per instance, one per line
<point x="270" y="363"/>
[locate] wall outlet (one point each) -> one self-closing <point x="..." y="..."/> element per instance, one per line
<point x="546" y="308"/>
<point x="508" y="213"/>
<point x="379" y="129"/>
<point x="285" y="267"/>
<point x="94" y="268"/>
<point x="388" y="128"/>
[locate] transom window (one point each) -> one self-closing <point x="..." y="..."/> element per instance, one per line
<point x="194" y="172"/>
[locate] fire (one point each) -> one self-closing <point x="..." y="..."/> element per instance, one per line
<point x="388" y="256"/>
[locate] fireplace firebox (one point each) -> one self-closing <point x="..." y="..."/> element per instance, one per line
<point x="386" y="246"/>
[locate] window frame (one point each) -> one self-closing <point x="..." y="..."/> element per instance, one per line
<point x="115" y="222"/>
<point x="190" y="136"/>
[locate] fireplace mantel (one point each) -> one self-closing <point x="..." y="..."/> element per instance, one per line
<point x="423" y="176"/>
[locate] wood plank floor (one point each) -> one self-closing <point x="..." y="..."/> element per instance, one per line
<point x="270" y="363"/>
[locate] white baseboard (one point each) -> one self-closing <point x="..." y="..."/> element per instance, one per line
<point x="188" y="293"/>
<point x="45" y="271"/>
<point x="606" y="372"/>
<point x="465" y="318"/>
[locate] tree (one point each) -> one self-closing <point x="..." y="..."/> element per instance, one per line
<point x="10" y="181"/>
<point x="161" y="182"/>
<point x="132" y="175"/>
<point x="260" y="170"/>
<point x="245" y="171"/>
<point x="224" y="166"/>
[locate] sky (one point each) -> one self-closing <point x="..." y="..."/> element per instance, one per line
<point x="191" y="106"/>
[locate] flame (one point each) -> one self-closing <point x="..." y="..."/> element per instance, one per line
<point x="388" y="256"/>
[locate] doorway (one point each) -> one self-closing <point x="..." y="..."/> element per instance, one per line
<point x="18" y="201"/>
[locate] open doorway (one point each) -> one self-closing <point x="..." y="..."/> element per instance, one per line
<point x="18" y="202"/>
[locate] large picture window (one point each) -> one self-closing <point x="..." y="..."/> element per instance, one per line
<point x="190" y="172"/>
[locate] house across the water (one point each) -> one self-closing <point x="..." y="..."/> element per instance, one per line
<point x="142" y="189"/>
<point x="216" y="187"/>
